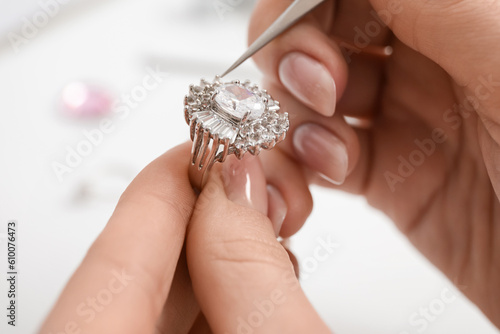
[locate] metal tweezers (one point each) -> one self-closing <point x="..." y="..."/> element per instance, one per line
<point x="297" y="10"/>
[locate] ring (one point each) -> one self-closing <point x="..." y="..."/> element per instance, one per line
<point x="230" y="118"/>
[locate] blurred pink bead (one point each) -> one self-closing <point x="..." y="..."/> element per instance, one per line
<point x="82" y="100"/>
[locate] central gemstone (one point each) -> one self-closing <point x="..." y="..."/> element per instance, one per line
<point x="236" y="102"/>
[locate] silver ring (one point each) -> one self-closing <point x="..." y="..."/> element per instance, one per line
<point x="230" y="118"/>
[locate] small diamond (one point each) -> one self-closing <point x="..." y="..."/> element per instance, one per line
<point x="191" y="100"/>
<point x="276" y="129"/>
<point x="245" y="130"/>
<point x="238" y="103"/>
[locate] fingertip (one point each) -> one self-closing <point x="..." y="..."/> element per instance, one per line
<point x="322" y="150"/>
<point x="301" y="203"/>
<point x="245" y="183"/>
<point x="284" y="175"/>
<point x="309" y="81"/>
<point x="277" y="208"/>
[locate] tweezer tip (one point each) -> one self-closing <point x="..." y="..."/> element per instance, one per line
<point x="228" y="71"/>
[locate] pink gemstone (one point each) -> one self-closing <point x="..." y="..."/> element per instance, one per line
<point x="82" y="100"/>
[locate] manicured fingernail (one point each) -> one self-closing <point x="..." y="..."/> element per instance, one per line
<point x="309" y="81"/>
<point x="322" y="151"/>
<point x="277" y="208"/>
<point x="245" y="183"/>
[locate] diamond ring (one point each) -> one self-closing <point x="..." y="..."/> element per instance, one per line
<point x="230" y="118"/>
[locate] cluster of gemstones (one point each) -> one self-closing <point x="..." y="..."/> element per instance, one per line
<point x="243" y="115"/>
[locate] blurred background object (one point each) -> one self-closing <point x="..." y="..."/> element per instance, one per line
<point x="79" y="99"/>
<point x="60" y="177"/>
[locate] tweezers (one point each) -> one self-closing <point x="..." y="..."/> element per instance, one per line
<point x="297" y="10"/>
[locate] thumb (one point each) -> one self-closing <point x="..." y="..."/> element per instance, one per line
<point x="463" y="37"/>
<point x="242" y="277"/>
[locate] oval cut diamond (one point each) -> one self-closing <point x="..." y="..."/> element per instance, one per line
<point x="238" y="103"/>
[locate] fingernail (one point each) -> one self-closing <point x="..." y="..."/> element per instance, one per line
<point x="277" y="208"/>
<point x="322" y="151"/>
<point x="245" y="183"/>
<point x="309" y="81"/>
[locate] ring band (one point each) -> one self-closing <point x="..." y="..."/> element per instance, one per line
<point x="204" y="153"/>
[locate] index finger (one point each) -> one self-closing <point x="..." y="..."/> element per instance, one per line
<point x="123" y="282"/>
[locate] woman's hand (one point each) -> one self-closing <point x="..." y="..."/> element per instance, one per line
<point x="168" y="262"/>
<point x="429" y="156"/>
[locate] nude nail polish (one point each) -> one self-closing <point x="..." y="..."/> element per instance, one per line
<point x="309" y="81"/>
<point x="322" y="151"/>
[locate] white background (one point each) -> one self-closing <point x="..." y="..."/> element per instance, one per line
<point x="372" y="283"/>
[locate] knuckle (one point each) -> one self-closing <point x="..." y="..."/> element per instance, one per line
<point x="249" y="251"/>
